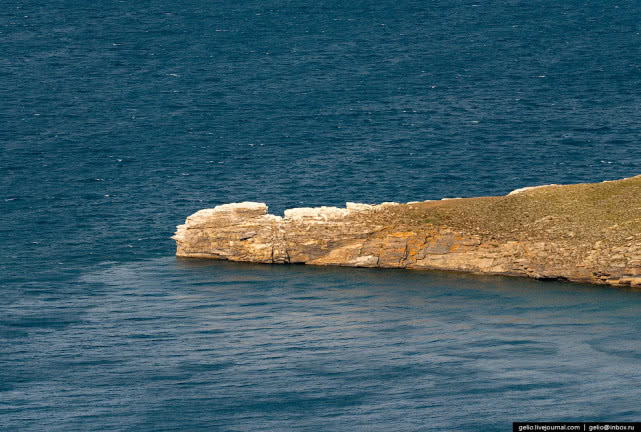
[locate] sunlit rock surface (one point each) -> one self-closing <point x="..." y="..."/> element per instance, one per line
<point x="583" y="233"/>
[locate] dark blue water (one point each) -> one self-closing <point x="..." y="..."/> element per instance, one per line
<point x="119" y="119"/>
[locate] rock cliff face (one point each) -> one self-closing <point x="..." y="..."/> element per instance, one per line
<point x="583" y="233"/>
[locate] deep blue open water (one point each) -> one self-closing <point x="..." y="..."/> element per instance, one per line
<point x="118" y="119"/>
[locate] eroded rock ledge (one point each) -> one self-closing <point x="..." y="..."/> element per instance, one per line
<point x="583" y="233"/>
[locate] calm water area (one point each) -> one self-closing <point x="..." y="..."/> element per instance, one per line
<point x="119" y="119"/>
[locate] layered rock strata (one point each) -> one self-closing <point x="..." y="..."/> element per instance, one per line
<point x="584" y="233"/>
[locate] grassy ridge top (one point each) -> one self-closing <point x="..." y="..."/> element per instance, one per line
<point x="608" y="211"/>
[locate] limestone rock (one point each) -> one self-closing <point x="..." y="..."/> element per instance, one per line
<point x="583" y="233"/>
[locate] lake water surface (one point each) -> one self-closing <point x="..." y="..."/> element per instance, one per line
<point x="119" y="119"/>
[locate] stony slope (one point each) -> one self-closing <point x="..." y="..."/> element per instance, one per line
<point x="583" y="232"/>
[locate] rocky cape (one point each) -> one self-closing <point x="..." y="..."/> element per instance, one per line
<point x="583" y="233"/>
